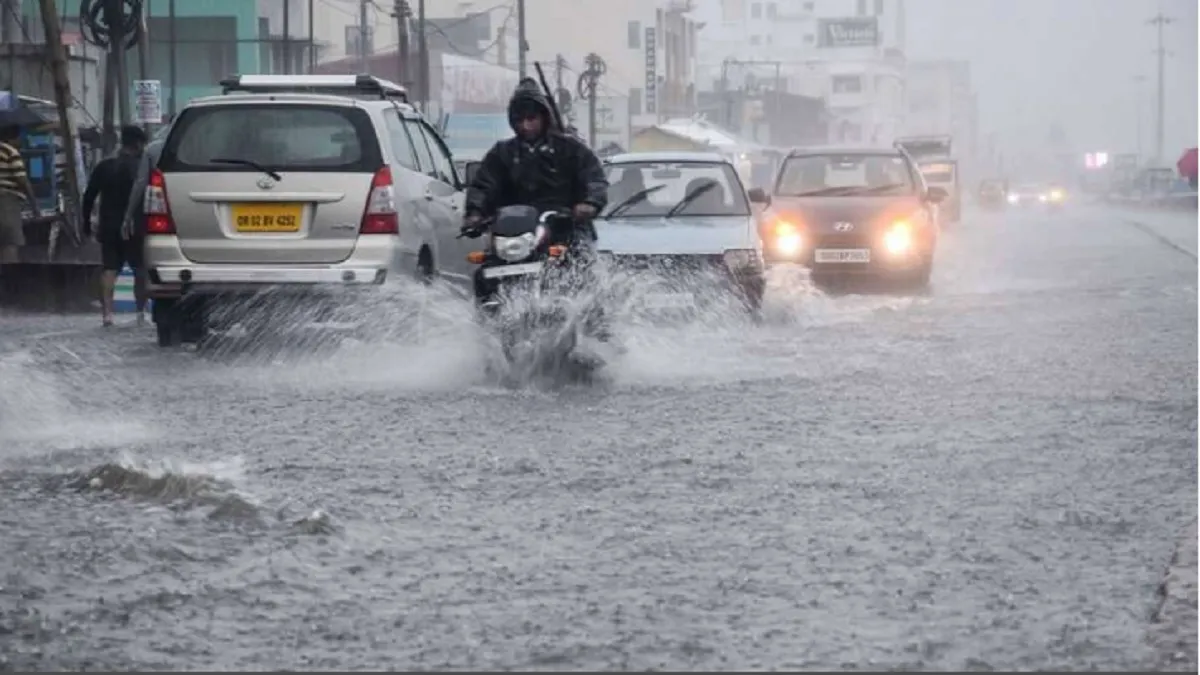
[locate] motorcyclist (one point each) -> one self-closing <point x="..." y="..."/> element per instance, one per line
<point x="547" y="168"/>
<point x="542" y="166"/>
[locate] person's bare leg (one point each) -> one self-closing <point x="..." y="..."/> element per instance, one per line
<point x="139" y="294"/>
<point x="108" y="285"/>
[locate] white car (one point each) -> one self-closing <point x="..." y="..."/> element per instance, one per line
<point x="686" y="218"/>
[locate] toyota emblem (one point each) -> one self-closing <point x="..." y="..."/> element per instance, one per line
<point x="843" y="226"/>
<point x="265" y="183"/>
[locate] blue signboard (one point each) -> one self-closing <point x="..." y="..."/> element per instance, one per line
<point x="475" y="134"/>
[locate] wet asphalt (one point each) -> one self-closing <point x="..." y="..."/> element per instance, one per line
<point x="992" y="476"/>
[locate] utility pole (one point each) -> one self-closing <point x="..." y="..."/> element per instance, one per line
<point x="1140" y="81"/>
<point x="589" y="80"/>
<point x="401" y="12"/>
<point x="62" y="100"/>
<point x="143" y="46"/>
<point x="423" y="55"/>
<point x="561" y="95"/>
<point x="118" y="50"/>
<point x="1160" y="22"/>
<point x="363" y="54"/>
<point x="312" y="38"/>
<point x="172" y="56"/>
<point x="725" y="95"/>
<point x="522" y="67"/>
<point x="287" y="33"/>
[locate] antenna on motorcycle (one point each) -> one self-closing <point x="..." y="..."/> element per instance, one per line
<point x="550" y="97"/>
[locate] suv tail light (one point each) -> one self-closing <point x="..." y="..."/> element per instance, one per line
<point x="381" y="216"/>
<point x="156" y="207"/>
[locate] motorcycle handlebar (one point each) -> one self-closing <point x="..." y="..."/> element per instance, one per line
<point x="545" y="218"/>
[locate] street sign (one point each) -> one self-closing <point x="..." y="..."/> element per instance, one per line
<point x="147" y="97"/>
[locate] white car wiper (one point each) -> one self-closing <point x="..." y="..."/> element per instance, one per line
<point x="690" y="197"/>
<point x="635" y="198"/>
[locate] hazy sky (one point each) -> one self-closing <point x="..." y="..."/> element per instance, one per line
<point x="1035" y="62"/>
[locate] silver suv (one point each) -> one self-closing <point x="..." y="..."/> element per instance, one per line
<point x="296" y="183"/>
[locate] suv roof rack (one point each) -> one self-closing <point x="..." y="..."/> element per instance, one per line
<point x="338" y="85"/>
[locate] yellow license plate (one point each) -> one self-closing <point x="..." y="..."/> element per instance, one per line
<point x="267" y="217"/>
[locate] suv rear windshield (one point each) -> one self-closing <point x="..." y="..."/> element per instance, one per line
<point x="283" y="137"/>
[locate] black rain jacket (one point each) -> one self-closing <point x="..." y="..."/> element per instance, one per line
<point x="555" y="172"/>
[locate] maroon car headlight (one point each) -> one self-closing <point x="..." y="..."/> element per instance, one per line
<point x="900" y="237"/>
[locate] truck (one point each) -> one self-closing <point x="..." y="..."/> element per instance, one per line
<point x="934" y="156"/>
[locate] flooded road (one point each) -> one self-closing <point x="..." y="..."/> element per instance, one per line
<point x="994" y="476"/>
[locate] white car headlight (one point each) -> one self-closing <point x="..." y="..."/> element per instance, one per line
<point x="741" y="259"/>
<point x="514" y="249"/>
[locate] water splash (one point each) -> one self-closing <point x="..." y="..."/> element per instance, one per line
<point x="38" y="415"/>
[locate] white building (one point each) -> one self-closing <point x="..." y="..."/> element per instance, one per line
<point x="942" y="101"/>
<point x="848" y="52"/>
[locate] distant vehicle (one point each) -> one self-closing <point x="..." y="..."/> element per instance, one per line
<point x="305" y="184"/>
<point x="686" y="217"/>
<point x="1036" y="194"/>
<point x="993" y="193"/>
<point x="850" y="211"/>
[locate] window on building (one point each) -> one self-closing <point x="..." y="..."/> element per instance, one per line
<point x="878" y="7"/>
<point x="634" y="38"/>
<point x="847" y="84"/>
<point x="352" y="39"/>
<point x="755" y="39"/>
<point x="756" y="10"/>
<point x="862" y="7"/>
<point x="771" y="10"/>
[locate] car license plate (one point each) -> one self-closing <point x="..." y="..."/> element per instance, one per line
<point x="267" y="217"/>
<point x="843" y="255"/>
<point x="511" y="270"/>
<point x="668" y="301"/>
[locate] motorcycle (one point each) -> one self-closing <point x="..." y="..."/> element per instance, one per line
<point x="526" y="290"/>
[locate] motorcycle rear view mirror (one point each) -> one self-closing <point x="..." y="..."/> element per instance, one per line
<point x="470" y="169"/>
<point x="758" y="196"/>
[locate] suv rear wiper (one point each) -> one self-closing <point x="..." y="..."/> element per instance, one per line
<point x="246" y="162"/>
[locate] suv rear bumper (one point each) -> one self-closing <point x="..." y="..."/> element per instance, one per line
<point x="170" y="274"/>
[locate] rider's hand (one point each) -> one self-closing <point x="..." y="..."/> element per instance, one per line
<point x="584" y="211"/>
<point x="470" y="227"/>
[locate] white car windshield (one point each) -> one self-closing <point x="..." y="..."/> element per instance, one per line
<point x="850" y="174"/>
<point x="656" y="189"/>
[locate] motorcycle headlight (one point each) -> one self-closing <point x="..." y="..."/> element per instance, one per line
<point x="513" y="249"/>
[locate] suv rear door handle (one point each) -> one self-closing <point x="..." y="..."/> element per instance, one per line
<point x="428" y="194"/>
